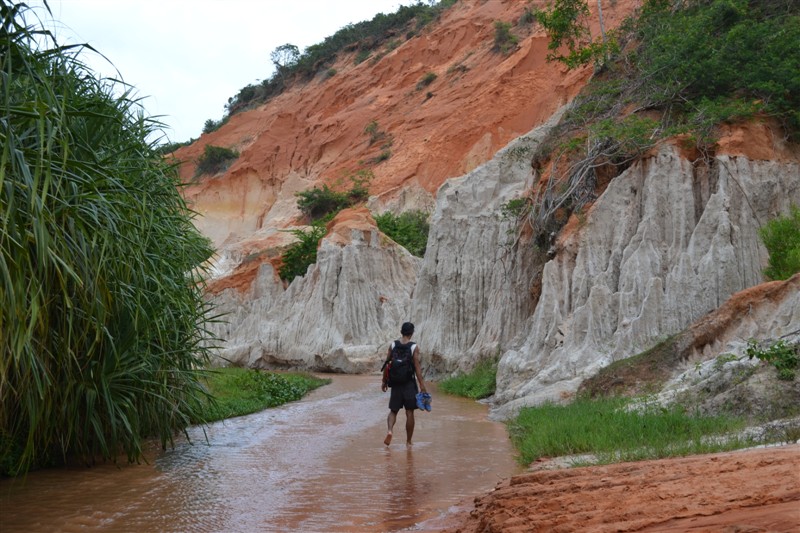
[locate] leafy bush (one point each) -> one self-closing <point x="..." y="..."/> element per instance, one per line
<point x="212" y="125"/>
<point x="361" y="56"/>
<point x="317" y="203"/>
<point x="784" y="356"/>
<point x="170" y="147"/>
<point x="215" y="159"/>
<point x="408" y="229"/>
<point x="781" y="236"/>
<point x="567" y="25"/>
<point x="426" y="80"/>
<point x="303" y="253"/>
<point x="504" y="40"/>
<point x="103" y="320"/>
<point x="480" y="383"/>
<point x="366" y="36"/>
<point x="323" y="203"/>
<point x="375" y="133"/>
<point x="718" y="49"/>
<point x="658" y="73"/>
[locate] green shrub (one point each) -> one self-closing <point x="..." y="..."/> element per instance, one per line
<point x="515" y="208"/>
<point x="504" y="40"/>
<point x="567" y="25"/>
<point x="323" y="203"/>
<point x="366" y="36"/>
<point x="102" y="314"/>
<point x="375" y="133"/>
<point x="781" y="236"/>
<point x="212" y="125"/>
<point x="303" y="253"/>
<point x="168" y="148"/>
<point x="477" y="384"/>
<point x="721" y="49"/>
<point x="426" y="80"/>
<point x="317" y="203"/>
<point x="215" y="159"/>
<point x="666" y="68"/>
<point x="528" y="17"/>
<point x="361" y="56"/>
<point x="408" y="229"/>
<point x="381" y="157"/>
<point x="784" y="356"/>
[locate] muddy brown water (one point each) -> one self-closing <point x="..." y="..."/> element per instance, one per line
<point x="316" y="465"/>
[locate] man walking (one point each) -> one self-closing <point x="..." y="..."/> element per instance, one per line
<point x="403" y="361"/>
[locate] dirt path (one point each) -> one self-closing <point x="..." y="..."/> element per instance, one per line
<point x="750" y="491"/>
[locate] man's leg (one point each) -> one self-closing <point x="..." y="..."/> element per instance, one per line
<point x="409" y="425"/>
<point x="390" y="420"/>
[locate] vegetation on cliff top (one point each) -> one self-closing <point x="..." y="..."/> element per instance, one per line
<point x="362" y="37"/>
<point x="102" y="315"/>
<point x="680" y="68"/>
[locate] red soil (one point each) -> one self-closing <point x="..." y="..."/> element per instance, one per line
<point x="749" y="491"/>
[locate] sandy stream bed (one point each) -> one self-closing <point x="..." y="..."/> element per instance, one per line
<point x="747" y="491"/>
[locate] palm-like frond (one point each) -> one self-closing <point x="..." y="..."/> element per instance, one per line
<point x="102" y="321"/>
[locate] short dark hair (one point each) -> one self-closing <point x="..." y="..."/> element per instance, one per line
<point x="407" y="329"/>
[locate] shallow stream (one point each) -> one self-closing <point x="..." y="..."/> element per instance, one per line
<point x="316" y="465"/>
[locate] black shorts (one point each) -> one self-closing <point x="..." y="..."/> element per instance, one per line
<point x="404" y="396"/>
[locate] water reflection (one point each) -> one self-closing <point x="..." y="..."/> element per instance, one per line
<point x="315" y="465"/>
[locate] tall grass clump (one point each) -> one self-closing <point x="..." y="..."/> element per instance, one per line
<point x="477" y="384"/>
<point x="101" y="311"/>
<point x="610" y="429"/>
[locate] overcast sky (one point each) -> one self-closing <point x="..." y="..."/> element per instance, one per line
<point x="187" y="57"/>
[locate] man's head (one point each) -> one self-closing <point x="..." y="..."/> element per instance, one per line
<point x="407" y="329"/>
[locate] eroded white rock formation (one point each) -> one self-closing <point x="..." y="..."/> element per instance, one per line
<point x="338" y="317"/>
<point x="661" y="247"/>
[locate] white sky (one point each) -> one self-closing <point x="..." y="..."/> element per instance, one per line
<point x="187" y="57"/>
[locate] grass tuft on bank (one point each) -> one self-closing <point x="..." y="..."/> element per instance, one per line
<point x="477" y="384"/>
<point x="241" y="391"/>
<point x="620" y="429"/>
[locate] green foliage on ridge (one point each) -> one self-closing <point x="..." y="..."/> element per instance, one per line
<point x="302" y="253"/>
<point x="680" y="68"/>
<point x="408" y="229"/>
<point x="215" y="159"/>
<point x="101" y="310"/>
<point x="364" y="37"/>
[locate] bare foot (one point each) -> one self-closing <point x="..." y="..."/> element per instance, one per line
<point x="409" y="443"/>
<point x="388" y="440"/>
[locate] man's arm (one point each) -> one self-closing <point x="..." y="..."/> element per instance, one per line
<point x="418" y="370"/>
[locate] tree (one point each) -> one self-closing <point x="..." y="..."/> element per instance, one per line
<point x="566" y="23"/>
<point x="285" y="58"/>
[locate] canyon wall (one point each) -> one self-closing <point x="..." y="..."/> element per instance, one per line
<point x="666" y="242"/>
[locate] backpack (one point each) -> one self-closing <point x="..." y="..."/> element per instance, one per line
<point x="401" y="365"/>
